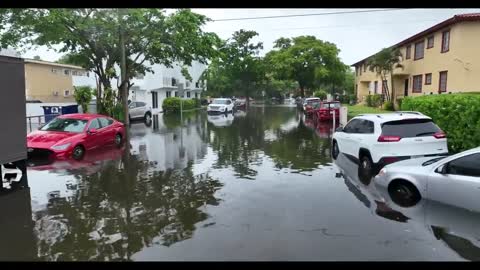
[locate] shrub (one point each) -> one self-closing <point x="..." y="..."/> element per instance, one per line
<point x="388" y="106"/>
<point x="457" y="115"/>
<point x="83" y="95"/>
<point x="374" y="100"/>
<point x="172" y="104"/>
<point x="399" y="102"/>
<point x="321" y="94"/>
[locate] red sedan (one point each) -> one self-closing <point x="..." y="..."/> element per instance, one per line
<point x="71" y="135"/>
<point x="326" y="110"/>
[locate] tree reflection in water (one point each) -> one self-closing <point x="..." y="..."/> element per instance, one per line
<point x="123" y="208"/>
<point x="270" y="131"/>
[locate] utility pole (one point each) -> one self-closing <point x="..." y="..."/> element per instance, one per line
<point x="123" y="68"/>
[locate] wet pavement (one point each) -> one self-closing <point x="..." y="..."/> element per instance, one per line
<point x="257" y="185"/>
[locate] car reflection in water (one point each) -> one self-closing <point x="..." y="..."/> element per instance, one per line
<point x="456" y="227"/>
<point x="91" y="163"/>
<point x="221" y="120"/>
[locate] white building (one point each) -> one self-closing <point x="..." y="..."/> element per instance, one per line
<point x="153" y="88"/>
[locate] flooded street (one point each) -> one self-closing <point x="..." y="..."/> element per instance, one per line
<point x="256" y="185"/>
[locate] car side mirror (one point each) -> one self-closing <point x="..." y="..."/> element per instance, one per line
<point x="442" y="169"/>
<point x="92" y="131"/>
<point x="339" y="129"/>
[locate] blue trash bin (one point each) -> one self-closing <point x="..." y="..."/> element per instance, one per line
<point x="53" y="111"/>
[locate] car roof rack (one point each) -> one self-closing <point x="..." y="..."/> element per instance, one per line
<point x="408" y="112"/>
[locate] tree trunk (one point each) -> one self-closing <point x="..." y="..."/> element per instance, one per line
<point x="302" y="91"/>
<point x="123" y="69"/>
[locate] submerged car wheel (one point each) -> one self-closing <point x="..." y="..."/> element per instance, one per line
<point x="404" y="193"/>
<point x="335" y="150"/>
<point x="118" y="140"/>
<point x="148" y="117"/>
<point x="78" y="152"/>
<point x="365" y="168"/>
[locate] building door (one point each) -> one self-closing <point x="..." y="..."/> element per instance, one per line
<point x="406" y="88"/>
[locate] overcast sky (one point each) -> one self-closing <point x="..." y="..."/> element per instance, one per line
<point x="356" y="35"/>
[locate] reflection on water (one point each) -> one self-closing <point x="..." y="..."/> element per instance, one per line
<point x="177" y="190"/>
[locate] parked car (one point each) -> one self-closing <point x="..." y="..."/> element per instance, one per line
<point x="308" y="101"/>
<point x="220" y="105"/>
<point x="326" y="110"/>
<point x="375" y="140"/>
<point x="454" y="180"/>
<point x="240" y="102"/>
<point x="139" y="110"/>
<point x="71" y="135"/>
<point x="311" y="107"/>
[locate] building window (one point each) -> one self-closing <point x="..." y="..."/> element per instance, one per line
<point x="417" y="84"/>
<point x="174" y="82"/>
<point x="408" y="52"/>
<point x="197" y="85"/>
<point x="66" y="93"/>
<point x="196" y="95"/>
<point x="169" y="94"/>
<point x="430" y="42"/>
<point x="176" y="93"/>
<point x="419" y="50"/>
<point x="428" y="78"/>
<point x="188" y="94"/>
<point x="55" y="71"/>
<point x="360" y="69"/>
<point x="66" y="72"/>
<point x="365" y="68"/>
<point x="442" y="82"/>
<point x="446" y="41"/>
<point x="55" y="93"/>
<point x="356" y="71"/>
<point x="356" y="89"/>
<point x="375" y="87"/>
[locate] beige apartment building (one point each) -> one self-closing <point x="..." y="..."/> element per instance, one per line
<point x="49" y="81"/>
<point x="444" y="58"/>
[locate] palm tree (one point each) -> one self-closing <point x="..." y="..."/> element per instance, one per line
<point x="384" y="62"/>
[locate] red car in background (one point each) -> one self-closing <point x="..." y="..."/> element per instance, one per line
<point x="311" y="106"/>
<point x="326" y="110"/>
<point x="71" y="135"/>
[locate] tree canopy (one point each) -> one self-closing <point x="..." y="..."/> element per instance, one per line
<point x="306" y="60"/>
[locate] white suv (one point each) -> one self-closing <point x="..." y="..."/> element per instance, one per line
<point x="375" y="140"/>
<point x="220" y="105"/>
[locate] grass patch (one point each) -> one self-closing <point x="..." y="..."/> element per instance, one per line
<point x="354" y="110"/>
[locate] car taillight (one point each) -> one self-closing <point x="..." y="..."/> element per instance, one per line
<point x="440" y="135"/>
<point x="389" y="160"/>
<point x="384" y="138"/>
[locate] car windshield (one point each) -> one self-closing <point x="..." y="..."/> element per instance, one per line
<point x="330" y="105"/>
<point x="410" y="128"/>
<point x="65" y="125"/>
<point x="431" y="161"/>
<point x="219" y="101"/>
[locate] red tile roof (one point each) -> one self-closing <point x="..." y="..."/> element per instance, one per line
<point x="439" y="26"/>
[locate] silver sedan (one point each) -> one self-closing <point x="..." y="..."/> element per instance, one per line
<point x="454" y="180"/>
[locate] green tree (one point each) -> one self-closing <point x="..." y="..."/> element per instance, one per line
<point x="92" y="38"/>
<point x="240" y="60"/>
<point x="306" y="60"/>
<point x="37" y="57"/>
<point x="83" y="95"/>
<point x="384" y="62"/>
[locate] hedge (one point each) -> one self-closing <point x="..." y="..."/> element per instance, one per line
<point x="458" y="115"/>
<point x="374" y="100"/>
<point x="172" y="104"/>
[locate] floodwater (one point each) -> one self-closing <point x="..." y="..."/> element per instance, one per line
<point x="257" y="185"/>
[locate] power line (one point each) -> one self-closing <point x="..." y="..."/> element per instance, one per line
<point x="351" y="25"/>
<point x="305" y="15"/>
